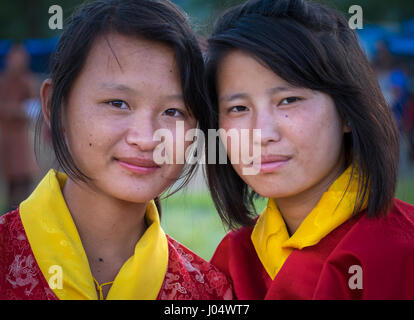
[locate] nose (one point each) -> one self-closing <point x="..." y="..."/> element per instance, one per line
<point x="140" y="133"/>
<point x="266" y="121"/>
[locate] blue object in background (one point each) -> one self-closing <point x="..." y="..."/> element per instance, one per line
<point x="407" y="27"/>
<point x="369" y="37"/>
<point x="40" y="51"/>
<point x="401" y="45"/>
<point x="4" y="48"/>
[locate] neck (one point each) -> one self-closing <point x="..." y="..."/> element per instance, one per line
<point x="109" y="228"/>
<point x="295" y="209"/>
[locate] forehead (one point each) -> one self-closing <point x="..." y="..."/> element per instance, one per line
<point x="237" y="67"/>
<point x="118" y="55"/>
<point x="240" y="75"/>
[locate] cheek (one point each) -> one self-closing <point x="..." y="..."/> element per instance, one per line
<point x="231" y="149"/>
<point x="170" y="174"/>
<point x="178" y="143"/>
<point x="242" y="144"/>
<point x="175" y="148"/>
<point x="90" y="142"/>
<point x="318" y="143"/>
<point x="331" y="131"/>
<point x="230" y="133"/>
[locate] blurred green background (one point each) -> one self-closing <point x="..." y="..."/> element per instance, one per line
<point x="189" y="216"/>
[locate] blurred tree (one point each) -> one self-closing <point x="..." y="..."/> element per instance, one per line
<point x="374" y="11"/>
<point x="203" y="13"/>
<point x="22" y="19"/>
<point x="378" y="10"/>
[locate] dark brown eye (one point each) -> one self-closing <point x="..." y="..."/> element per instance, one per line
<point x="118" y="104"/>
<point x="172" y="112"/>
<point x="289" y="100"/>
<point x="238" y="109"/>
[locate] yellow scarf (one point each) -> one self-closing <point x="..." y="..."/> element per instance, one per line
<point x="58" y="250"/>
<point x="271" y="238"/>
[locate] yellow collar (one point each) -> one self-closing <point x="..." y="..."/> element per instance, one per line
<point x="58" y="250"/>
<point x="270" y="236"/>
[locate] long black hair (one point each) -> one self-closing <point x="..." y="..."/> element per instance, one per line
<point x="157" y="20"/>
<point x="308" y="45"/>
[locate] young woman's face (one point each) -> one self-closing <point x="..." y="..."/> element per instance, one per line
<point x="128" y="89"/>
<point x="301" y="130"/>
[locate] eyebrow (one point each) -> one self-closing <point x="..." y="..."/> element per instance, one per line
<point x="119" y="87"/>
<point x="127" y="89"/>
<point x="176" y="96"/>
<point x="235" y="96"/>
<point x="231" y="97"/>
<point x="279" y="89"/>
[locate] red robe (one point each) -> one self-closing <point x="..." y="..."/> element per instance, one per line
<point x="188" y="276"/>
<point x="383" y="248"/>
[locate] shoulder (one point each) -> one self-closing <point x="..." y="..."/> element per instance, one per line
<point x="380" y="251"/>
<point x="404" y="210"/>
<point x="396" y="228"/>
<point x="11" y="226"/>
<point x="20" y="276"/>
<point x="13" y="239"/>
<point x="385" y="238"/>
<point x="189" y="276"/>
<point x="238" y="238"/>
<point x="236" y="246"/>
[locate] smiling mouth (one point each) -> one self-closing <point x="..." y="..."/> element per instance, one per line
<point x="271" y="163"/>
<point x="138" y="165"/>
<point x="269" y="167"/>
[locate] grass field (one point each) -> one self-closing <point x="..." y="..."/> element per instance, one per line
<point x="405" y="190"/>
<point x="192" y="219"/>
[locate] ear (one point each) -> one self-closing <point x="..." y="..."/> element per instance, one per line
<point x="46" y="95"/>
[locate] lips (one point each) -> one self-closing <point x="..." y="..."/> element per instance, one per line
<point x="271" y="163"/>
<point x="138" y="165"/>
<point x="273" y="158"/>
<point x="139" y="162"/>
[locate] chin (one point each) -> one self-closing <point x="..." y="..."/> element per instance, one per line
<point x="133" y="193"/>
<point x="133" y="198"/>
<point x="268" y="190"/>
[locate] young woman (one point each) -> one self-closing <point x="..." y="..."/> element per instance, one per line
<point x="328" y="164"/>
<point x="122" y="70"/>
